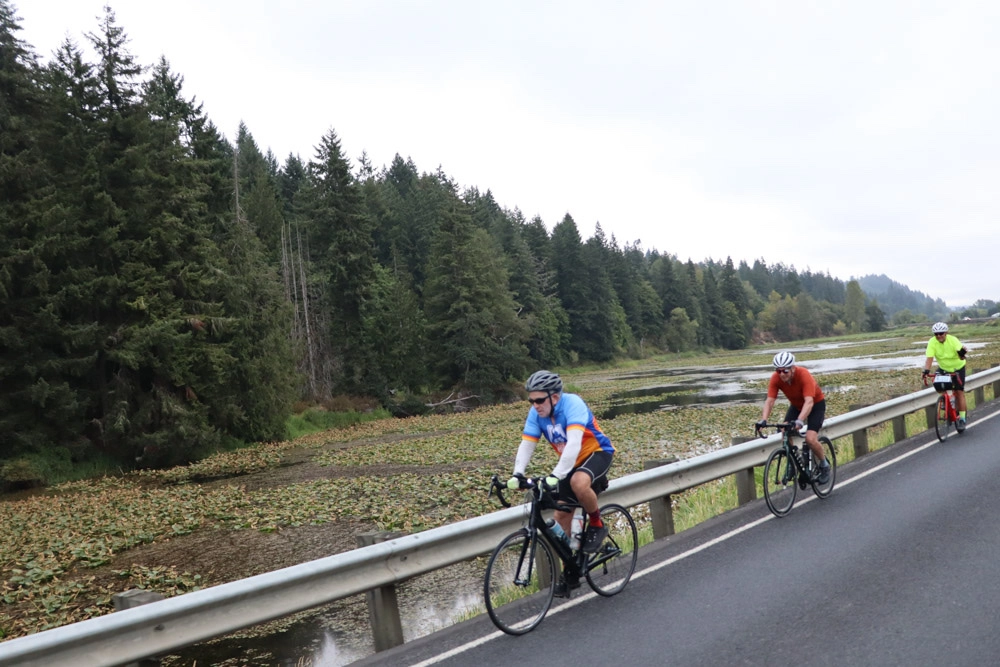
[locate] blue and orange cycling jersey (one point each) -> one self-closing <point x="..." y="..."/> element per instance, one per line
<point x="571" y="412"/>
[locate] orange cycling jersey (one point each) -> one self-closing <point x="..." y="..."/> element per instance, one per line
<point x="803" y="384"/>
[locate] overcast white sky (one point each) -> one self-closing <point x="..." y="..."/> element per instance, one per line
<point x="851" y="137"/>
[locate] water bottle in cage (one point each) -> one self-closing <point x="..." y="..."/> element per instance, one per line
<point x="576" y="529"/>
<point x="557" y="529"/>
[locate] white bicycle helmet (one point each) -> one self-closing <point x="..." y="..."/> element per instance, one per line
<point x="784" y="360"/>
<point x="939" y="327"/>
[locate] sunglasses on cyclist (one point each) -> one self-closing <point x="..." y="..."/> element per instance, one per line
<point x="785" y="371"/>
<point x="538" y="401"/>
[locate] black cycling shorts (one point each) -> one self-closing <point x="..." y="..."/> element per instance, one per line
<point x="596" y="465"/>
<point x="816" y="415"/>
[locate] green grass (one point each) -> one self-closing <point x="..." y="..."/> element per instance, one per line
<point x="314" y="420"/>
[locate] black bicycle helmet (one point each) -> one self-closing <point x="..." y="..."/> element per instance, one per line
<point x="545" y="381"/>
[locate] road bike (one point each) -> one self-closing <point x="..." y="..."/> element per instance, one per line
<point x="790" y="468"/>
<point x="946" y="414"/>
<point x="521" y="574"/>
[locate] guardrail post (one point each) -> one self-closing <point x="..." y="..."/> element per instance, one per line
<point x="746" y="484"/>
<point x="660" y="513"/>
<point x="860" y="437"/>
<point x="136" y="598"/>
<point x="898" y="426"/>
<point x="979" y="393"/>
<point x="383" y="607"/>
<point x="931" y="413"/>
<point x="996" y="385"/>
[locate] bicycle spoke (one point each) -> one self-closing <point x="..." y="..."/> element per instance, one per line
<point x="609" y="570"/>
<point x="518" y="589"/>
<point x="780" y="482"/>
<point x="824" y="490"/>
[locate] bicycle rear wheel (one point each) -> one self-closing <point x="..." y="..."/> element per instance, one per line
<point x="611" y="567"/>
<point x="941" y="418"/>
<point x="824" y="490"/>
<point x="520" y="582"/>
<point x="780" y="482"/>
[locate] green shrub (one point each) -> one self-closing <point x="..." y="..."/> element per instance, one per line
<point x="317" y="419"/>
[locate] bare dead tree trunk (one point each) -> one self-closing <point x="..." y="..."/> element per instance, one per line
<point x="291" y="282"/>
<point x="240" y="221"/>
<point x="305" y="310"/>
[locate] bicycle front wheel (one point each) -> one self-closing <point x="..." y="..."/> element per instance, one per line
<point x="941" y="418"/>
<point x="611" y="567"/>
<point x="824" y="490"/>
<point x="780" y="482"/>
<point x="520" y="582"/>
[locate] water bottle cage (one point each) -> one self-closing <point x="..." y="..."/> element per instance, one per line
<point x="801" y="458"/>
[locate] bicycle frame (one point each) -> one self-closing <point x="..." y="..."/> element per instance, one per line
<point x="573" y="560"/>
<point x="534" y="555"/>
<point x="790" y="467"/>
<point x="946" y="407"/>
<point x="576" y="563"/>
<point x="799" y="456"/>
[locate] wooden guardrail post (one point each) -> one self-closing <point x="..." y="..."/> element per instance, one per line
<point x="746" y="484"/>
<point x="931" y="413"/>
<point x="898" y="425"/>
<point x="979" y="393"/>
<point x="660" y="513"/>
<point x="383" y="606"/>
<point x="136" y="598"/>
<point x="860" y="437"/>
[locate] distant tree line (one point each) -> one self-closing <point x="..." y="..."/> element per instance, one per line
<point x="166" y="292"/>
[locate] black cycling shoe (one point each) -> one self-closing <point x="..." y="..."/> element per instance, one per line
<point x="593" y="537"/>
<point x="562" y="590"/>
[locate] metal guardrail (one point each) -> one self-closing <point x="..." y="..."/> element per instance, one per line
<point x="173" y="623"/>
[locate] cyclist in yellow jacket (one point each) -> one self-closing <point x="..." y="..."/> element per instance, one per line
<point x="950" y="355"/>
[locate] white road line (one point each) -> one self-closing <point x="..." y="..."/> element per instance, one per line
<point x="458" y="650"/>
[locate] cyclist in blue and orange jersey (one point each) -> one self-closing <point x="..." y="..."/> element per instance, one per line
<point x="950" y="355"/>
<point x="585" y="452"/>
<point x="808" y="405"/>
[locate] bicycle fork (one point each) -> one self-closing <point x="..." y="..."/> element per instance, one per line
<point x="524" y="570"/>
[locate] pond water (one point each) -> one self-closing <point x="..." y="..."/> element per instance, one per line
<point x="719" y="386"/>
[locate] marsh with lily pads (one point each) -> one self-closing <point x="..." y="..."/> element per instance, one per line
<point x="64" y="552"/>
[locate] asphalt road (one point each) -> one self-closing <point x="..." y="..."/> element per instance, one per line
<point x="900" y="566"/>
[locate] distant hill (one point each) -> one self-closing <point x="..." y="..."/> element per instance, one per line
<point x="893" y="297"/>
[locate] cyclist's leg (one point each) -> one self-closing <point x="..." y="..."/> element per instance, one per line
<point x="589" y="479"/>
<point x="960" y="390"/>
<point x="813" y="424"/>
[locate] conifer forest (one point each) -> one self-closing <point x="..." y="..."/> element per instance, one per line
<point x="167" y="292"/>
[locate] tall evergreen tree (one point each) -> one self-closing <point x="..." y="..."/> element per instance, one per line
<point x="471" y="315"/>
<point x="740" y="318"/>
<point x="394" y="358"/>
<point x="38" y="405"/>
<point x="571" y="275"/>
<point x="260" y="201"/>
<point x="854" y="307"/>
<point x="760" y="278"/>
<point x="341" y="237"/>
